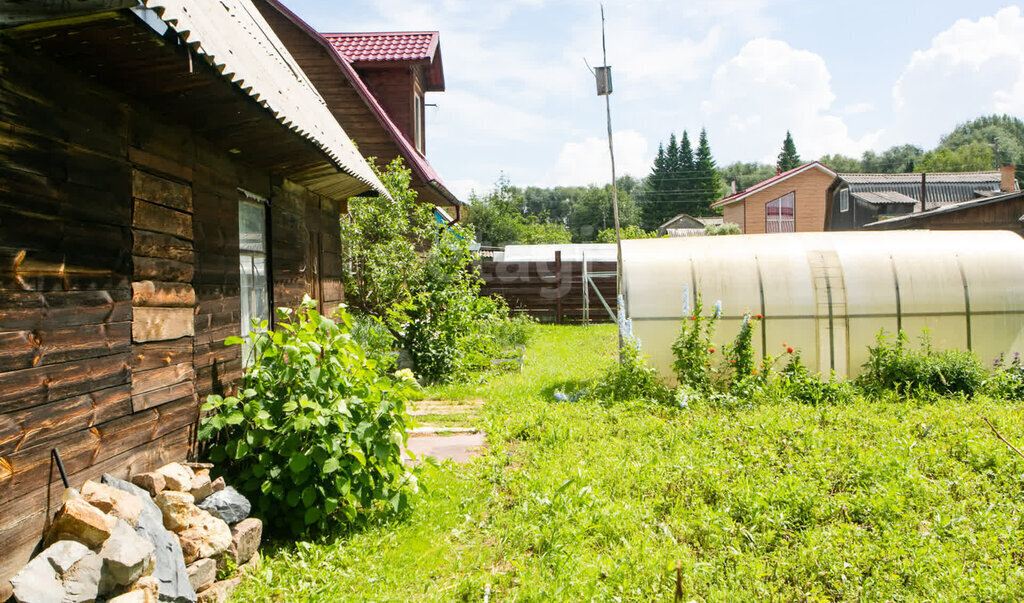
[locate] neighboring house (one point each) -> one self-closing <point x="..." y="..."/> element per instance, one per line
<point x="375" y="86"/>
<point x="685" y="225"/>
<point x="168" y="174"/>
<point x="999" y="212"/>
<point x="793" y="201"/>
<point x="855" y="200"/>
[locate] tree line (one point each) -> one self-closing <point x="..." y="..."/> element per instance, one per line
<point x="684" y="180"/>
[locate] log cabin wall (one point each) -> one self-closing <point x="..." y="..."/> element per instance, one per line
<point x="110" y="215"/>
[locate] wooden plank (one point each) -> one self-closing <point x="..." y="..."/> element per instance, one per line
<point x="160" y="324"/>
<point x="160" y="294"/>
<point x="25" y="349"/>
<point x="21" y="430"/>
<point x="164" y="395"/>
<point x="160" y="164"/>
<point x="156" y="218"/>
<point x="159" y="378"/>
<point x="161" y="191"/>
<point x="30" y="387"/>
<point x="159" y="354"/>
<point x="30" y="310"/>
<point x="21" y="528"/>
<point x="156" y="245"/>
<point x="158" y="269"/>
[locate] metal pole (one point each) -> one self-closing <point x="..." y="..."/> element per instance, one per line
<point x="615" y="192"/>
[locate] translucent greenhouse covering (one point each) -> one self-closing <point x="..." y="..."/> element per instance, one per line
<point x="829" y="294"/>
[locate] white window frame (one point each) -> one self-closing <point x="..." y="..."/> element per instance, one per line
<point x="844" y="200"/>
<point x="783" y="223"/>
<point x="253" y="266"/>
<point x="417" y="108"/>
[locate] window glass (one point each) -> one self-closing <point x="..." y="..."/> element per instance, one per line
<point x="252" y="259"/>
<point x="780" y="214"/>
<point x="844" y="200"/>
<point x="418" y="119"/>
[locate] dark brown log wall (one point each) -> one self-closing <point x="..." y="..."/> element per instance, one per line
<point x="549" y="291"/>
<point x="119" y="282"/>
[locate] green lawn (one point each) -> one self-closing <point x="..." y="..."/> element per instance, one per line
<point x="574" y="501"/>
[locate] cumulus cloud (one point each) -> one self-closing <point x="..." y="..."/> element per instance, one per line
<point x="974" y="67"/>
<point x="587" y="162"/>
<point x="768" y="88"/>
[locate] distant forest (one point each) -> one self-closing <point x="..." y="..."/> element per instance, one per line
<point x="687" y="180"/>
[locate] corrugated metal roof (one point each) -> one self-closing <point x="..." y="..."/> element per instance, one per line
<point x="944" y="209"/>
<point x="941" y="188"/>
<point x="235" y="39"/>
<point x="885" y="198"/>
<point x="931" y="177"/>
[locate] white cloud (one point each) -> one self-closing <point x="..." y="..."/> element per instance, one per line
<point x="857" y="108"/>
<point x="463" y="188"/>
<point x="768" y="88"/>
<point x="460" y="112"/>
<point x="587" y="161"/>
<point x="972" y="68"/>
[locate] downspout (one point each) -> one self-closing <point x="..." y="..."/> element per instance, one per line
<point x="458" y="214"/>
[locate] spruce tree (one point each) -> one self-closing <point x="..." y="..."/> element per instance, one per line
<point x="788" y="158"/>
<point x="687" y="173"/>
<point x="707" y="178"/>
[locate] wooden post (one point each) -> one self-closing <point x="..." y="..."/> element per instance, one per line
<point x="558" y="287"/>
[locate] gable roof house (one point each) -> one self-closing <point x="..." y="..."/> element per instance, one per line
<point x="685" y="225"/>
<point x="855" y="200"/>
<point x="375" y="86"/>
<point x="998" y="212"/>
<point x="792" y="201"/>
<point x="168" y="172"/>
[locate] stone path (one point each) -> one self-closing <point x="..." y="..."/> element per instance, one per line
<point x="445" y="431"/>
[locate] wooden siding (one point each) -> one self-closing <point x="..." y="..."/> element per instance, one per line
<point x="119" y="282"/>
<point x="734" y="214"/>
<point x="809" y="189"/>
<point x="1001" y="215"/>
<point x="549" y="291"/>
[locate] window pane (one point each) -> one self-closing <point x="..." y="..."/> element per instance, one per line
<point x="251" y="226"/>
<point x="252" y="266"/>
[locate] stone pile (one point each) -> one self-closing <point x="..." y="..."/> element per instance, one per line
<point x="161" y="538"/>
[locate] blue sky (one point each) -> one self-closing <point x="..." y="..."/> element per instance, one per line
<point x="843" y="76"/>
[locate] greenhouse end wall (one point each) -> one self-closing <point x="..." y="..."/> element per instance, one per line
<point x="828" y="295"/>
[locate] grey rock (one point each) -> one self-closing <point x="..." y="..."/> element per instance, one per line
<point x="227" y="505"/>
<point x="82" y="580"/>
<point x="170" y="564"/>
<point x="38" y="582"/>
<point x="65" y="553"/>
<point x="202" y="573"/>
<point x="126" y="555"/>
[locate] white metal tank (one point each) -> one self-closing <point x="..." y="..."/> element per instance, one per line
<point x="829" y="294"/>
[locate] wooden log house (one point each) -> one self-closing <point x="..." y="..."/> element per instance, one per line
<point x="167" y="173"/>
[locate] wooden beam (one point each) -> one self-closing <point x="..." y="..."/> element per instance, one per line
<point x="159" y="324"/>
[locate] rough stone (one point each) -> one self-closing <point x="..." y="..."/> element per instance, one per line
<point x="199" y="466"/>
<point x="202" y="573"/>
<point x="126" y="555"/>
<point x="150" y="585"/>
<point x="82" y="581"/>
<point x="134" y="596"/>
<point x="251" y="566"/>
<point x="206" y="537"/>
<point x="177" y="509"/>
<point x="218" y="484"/>
<point x="176" y="476"/>
<point x="64" y="554"/>
<point x="169" y="569"/>
<point x="80" y="521"/>
<point x="245" y="540"/>
<point x="38" y="582"/>
<point x="201" y="485"/>
<point x="219" y="592"/>
<point x="152" y="482"/>
<point x="227" y="504"/>
<point x="115" y="502"/>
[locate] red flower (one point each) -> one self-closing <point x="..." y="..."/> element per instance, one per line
<point x="732" y="362"/>
<point x="789" y="350"/>
<point x="758" y="316"/>
<point x="755" y="371"/>
<point x="712" y="350"/>
<point x="693" y="318"/>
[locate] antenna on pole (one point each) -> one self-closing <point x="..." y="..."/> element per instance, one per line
<point x="603" y="74"/>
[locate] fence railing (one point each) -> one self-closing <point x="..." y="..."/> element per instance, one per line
<point x="554" y="291"/>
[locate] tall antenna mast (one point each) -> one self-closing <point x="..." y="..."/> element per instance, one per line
<point x="604" y="88"/>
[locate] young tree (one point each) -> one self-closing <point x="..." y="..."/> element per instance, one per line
<point x="788" y="157"/>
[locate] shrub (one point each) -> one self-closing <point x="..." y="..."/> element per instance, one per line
<point x="372" y="334"/>
<point x="693" y="351"/>
<point x="631" y="379"/>
<point x="1007" y="381"/>
<point x="799" y="383"/>
<point x="893" y="365"/>
<point x="725" y="228"/>
<point x="314" y="437"/>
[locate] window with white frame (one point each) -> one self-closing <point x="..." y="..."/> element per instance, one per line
<point x="252" y="259"/>
<point x="417" y="110"/>
<point x="844" y="200"/>
<point x="779" y="214"/>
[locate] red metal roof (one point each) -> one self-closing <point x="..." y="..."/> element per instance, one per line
<point x="385" y="46"/>
<point x="777" y="178"/>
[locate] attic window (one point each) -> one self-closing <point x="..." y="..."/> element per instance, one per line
<point x="779" y="214"/>
<point x="844" y="200"/>
<point x="417" y="113"/>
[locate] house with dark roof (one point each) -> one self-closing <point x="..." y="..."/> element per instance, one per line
<point x="855" y="200"/>
<point x="374" y="84"/>
<point x="996" y="212"/>
<point x="685" y="225"/>
<point x="792" y="201"/>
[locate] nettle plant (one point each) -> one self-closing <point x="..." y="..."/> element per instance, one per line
<point x="314" y="438"/>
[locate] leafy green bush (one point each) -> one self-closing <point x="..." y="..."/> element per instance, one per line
<point x="799" y="383"/>
<point x="631" y="231"/>
<point x="314" y="437"/>
<point x="372" y="334"/>
<point x="725" y="228"/>
<point x="1007" y="381"/>
<point x="631" y="379"/>
<point x="893" y="365"/>
<point x="693" y="351"/>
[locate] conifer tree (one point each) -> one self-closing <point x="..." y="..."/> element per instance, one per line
<point x="687" y="172"/>
<point x="788" y="157"/>
<point x="707" y="179"/>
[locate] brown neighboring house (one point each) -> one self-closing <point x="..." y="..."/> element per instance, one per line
<point x="167" y="172"/>
<point x="375" y="86"/>
<point x="793" y="201"/>
<point x="999" y="212"/>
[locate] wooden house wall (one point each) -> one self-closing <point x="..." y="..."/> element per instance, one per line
<point x="119" y="282"/>
<point x="393" y="89"/>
